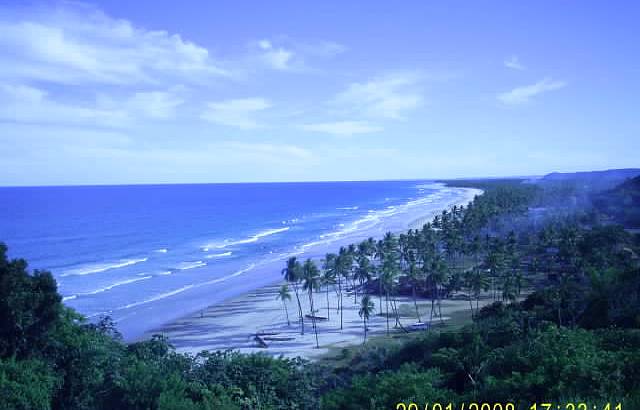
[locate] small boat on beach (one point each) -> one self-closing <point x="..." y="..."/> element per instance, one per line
<point x="419" y="326"/>
<point x="315" y="317"/>
<point x="260" y="341"/>
<point x="278" y="338"/>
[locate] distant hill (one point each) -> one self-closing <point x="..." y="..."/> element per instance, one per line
<point x="592" y="180"/>
<point x="621" y="203"/>
<point x="609" y="175"/>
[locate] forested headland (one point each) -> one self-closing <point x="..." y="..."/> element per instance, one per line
<point x="558" y="258"/>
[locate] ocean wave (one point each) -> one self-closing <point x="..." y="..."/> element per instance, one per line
<point x="371" y="219"/>
<point x="88" y="270"/>
<point x="157" y="297"/>
<point x="219" y="255"/>
<point x="115" y="285"/>
<point x="187" y="287"/>
<point x="71" y="297"/>
<point x="348" y="208"/>
<point x="251" y="239"/>
<point x="191" y="265"/>
<point x="162" y="250"/>
<point x="161" y="273"/>
<point x="224" y="278"/>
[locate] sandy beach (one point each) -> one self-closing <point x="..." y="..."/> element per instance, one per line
<point x="234" y="323"/>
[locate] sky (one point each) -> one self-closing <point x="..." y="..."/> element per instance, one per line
<point x="129" y="92"/>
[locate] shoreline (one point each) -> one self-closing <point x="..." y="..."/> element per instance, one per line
<point x="232" y="323"/>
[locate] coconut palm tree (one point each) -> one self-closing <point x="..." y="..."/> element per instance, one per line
<point x="329" y="276"/>
<point x="414" y="276"/>
<point x="477" y="282"/>
<point x="366" y="308"/>
<point x="284" y="295"/>
<point x="343" y="266"/>
<point x="362" y="272"/>
<point x="438" y="276"/>
<point x="292" y="275"/>
<point x="311" y="281"/>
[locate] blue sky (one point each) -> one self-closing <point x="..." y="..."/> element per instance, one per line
<point x="229" y="91"/>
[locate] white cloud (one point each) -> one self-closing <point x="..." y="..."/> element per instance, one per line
<point x="277" y="58"/>
<point x="321" y="48"/>
<point x="275" y="152"/>
<point x="342" y="127"/>
<point x="391" y="96"/>
<point x="155" y="104"/>
<point x="236" y="113"/>
<point x="514" y="63"/>
<point x="520" y="95"/>
<point x="283" y="54"/>
<point x="21" y="103"/>
<point x="78" y="44"/>
<point x="26" y="104"/>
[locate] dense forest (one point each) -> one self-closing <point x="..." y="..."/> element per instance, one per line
<point x="556" y="259"/>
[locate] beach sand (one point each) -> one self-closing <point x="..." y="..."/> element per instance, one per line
<point x="234" y="323"/>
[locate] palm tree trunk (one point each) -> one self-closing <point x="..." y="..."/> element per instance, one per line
<point x="286" y="311"/>
<point x="340" y="299"/>
<point x="328" y="314"/>
<point x="313" y="317"/>
<point x="432" y="308"/>
<point x="355" y="292"/>
<point x="394" y="310"/>
<point x="415" y="303"/>
<point x="380" y="293"/>
<point x="295" y="288"/>
<point x="364" y="319"/>
<point x="386" y="300"/>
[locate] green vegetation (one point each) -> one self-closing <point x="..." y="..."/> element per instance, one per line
<point x="564" y="323"/>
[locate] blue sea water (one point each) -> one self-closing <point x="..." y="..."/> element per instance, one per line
<point x="146" y="254"/>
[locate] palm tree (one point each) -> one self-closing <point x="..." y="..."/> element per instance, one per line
<point x="366" y="308"/>
<point x="477" y="281"/>
<point x="311" y="278"/>
<point x="329" y="276"/>
<point x="292" y="275"/>
<point x="363" y="271"/>
<point x="342" y="269"/>
<point x="284" y="295"/>
<point x="438" y="276"/>
<point x="413" y="274"/>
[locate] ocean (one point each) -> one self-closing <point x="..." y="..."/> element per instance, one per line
<point x="148" y="254"/>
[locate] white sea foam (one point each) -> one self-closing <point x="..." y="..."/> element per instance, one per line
<point x="348" y="208"/>
<point x="97" y="268"/>
<point x="157" y="297"/>
<point x="115" y="285"/>
<point x="224" y="278"/>
<point x="374" y="217"/>
<point x="219" y="255"/>
<point x="64" y="299"/>
<point x="162" y="273"/>
<point x="191" y="265"/>
<point x="251" y="239"/>
<point x="163" y="250"/>
<point x="187" y="287"/>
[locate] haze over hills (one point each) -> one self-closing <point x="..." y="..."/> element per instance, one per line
<point x="597" y="179"/>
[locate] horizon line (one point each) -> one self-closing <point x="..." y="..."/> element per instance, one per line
<point x="272" y="182"/>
